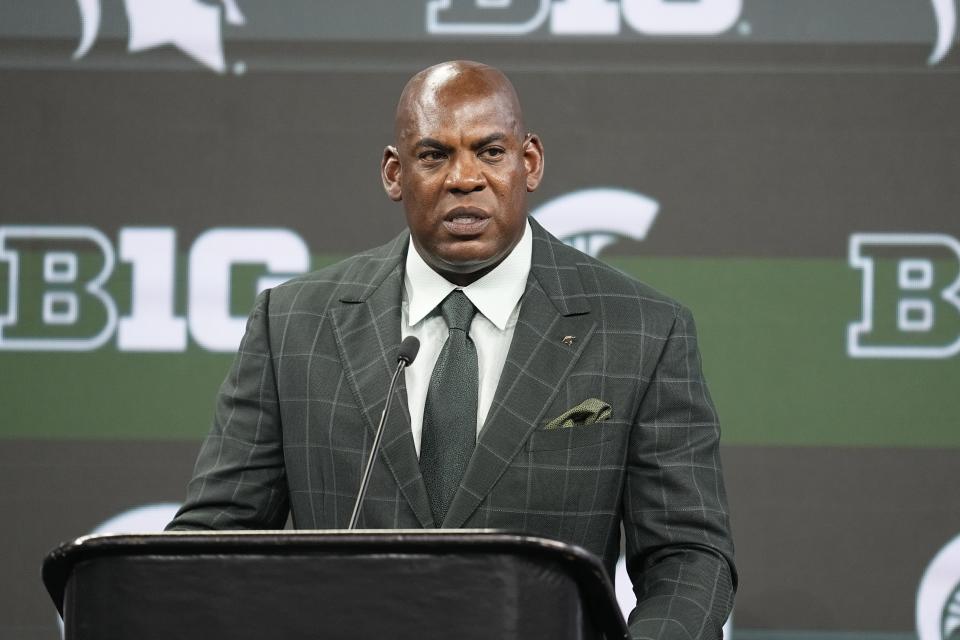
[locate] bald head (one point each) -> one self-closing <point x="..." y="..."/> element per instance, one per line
<point x="430" y="92"/>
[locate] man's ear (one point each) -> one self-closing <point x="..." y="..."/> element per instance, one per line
<point x="533" y="160"/>
<point x="390" y="173"/>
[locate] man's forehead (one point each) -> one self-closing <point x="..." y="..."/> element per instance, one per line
<point x="470" y="115"/>
<point x="452" y="95"/>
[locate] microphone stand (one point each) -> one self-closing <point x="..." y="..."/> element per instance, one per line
<point x="403" y="362"/>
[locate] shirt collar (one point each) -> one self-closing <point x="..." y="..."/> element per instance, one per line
<point x="495" y="295"/>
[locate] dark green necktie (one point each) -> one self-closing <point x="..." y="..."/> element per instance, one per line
<point x="450" y="413"/>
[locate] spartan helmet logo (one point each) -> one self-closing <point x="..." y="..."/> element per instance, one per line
<point x="591" y="219"/>
<point x="945" y="12"/>
<point x="938" y="598"/>
<point x="950" y="619"/>
<point x="190" y="25"/>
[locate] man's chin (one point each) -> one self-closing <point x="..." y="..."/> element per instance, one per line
<point x="465" y="266"/>
<point x="466" y="256"/>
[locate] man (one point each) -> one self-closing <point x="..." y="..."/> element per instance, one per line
<point x="552" y="394"/>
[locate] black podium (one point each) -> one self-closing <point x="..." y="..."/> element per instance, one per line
<point x="298" y="585"/>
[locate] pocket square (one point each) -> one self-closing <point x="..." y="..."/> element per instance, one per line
<point x="587" y="412"/>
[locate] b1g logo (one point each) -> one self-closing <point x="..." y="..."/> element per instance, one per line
<point x="604" y="17"/>
<point x="938" y="598"/>
<point x="57" y="296"/>
<point x="582" y="17"/>
<point x="191" y="26"/>
<point x="909" y="302"/>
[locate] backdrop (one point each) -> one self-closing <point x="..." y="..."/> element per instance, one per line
<point x="786" y="168"/>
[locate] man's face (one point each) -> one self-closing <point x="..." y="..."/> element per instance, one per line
<point x="462" y="169"/>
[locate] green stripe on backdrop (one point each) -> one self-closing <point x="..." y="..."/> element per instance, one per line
<point x="773" y="634"/>
<point x="773" y="338"/>
<point x="772" y="334"/>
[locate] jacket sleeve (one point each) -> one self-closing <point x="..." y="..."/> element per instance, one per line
<point x="678" y="547"/>
<point x="239" y="480"/>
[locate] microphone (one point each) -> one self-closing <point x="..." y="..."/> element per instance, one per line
<point x="409" y="349"/>
<point x="405" y="357"/>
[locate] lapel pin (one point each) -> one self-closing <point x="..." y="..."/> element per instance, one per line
<point x="568" y="340"/>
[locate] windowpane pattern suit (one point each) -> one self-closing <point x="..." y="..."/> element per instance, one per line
<point x="296" y="414"/>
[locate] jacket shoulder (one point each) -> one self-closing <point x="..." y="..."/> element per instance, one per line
<point x="349" y="280"/>
<point x="613" y="283"/>
<point x="608" y="290"/>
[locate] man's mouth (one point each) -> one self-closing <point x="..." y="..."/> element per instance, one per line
<point x="466" y="221"/>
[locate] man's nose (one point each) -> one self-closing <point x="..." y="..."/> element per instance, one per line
<point x="465" y="175"/>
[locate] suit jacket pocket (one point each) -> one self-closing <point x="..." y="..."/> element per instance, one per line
<point x="574" y="437"/>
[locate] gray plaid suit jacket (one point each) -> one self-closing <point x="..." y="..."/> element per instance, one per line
<point x="296" y="415"/>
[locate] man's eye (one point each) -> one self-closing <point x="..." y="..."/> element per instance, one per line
<point x="492" y="152"/>
<point x="432" y="156"/>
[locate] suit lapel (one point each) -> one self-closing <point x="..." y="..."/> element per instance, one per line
<point x="553" y="307"/>
<point x="367" y="330"/>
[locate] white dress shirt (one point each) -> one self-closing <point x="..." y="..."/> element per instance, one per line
<point x="497" y="299"/>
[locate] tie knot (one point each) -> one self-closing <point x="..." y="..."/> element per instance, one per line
<point x="457" y="310"/>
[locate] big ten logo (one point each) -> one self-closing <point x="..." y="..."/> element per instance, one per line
<point x="909" y="302"/>
<point x="68" y="288"/>
<point x="582" y="17"/>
